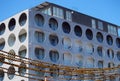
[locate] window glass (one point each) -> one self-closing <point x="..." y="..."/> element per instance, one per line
<point x="93" y="23"/>
<point x="39" y="20"/>
<point x="100" y="64"/>
<point x="53" y="24"/>
<point x="54" y="72"/>
<point x="110" y="53"/>
<point x="89" y="63"/>
<point x="53" y="39"/>
<point x="89" y="34"/>
<point x="22" y="51"/>
<point x="22" y="19"/>
<point x="39" y="52"/>
<point x="99" y="37"/>
<point x="79" y="61"/>
<point x="11" y="72"/>
<point x="89" y="49"/>
<point x="118" y="42"/>
<point x="2" y="28"/>
<point x="100" y="51"/>
<point x="109" y="40"/>
<point x="39" y="36"/>
<point x="78" y="31"/>
<point x="2" y="43"/>
<point x="100" y="25"/>
<point x="2" y="74"/>
<point x="112" y="29"/>
<point x="78" y="46"/>
<point x="68" y="16"/>
<point x="66" y="27"/>
<point x="47" y="11"/>
<point x="58" y="12"/>
<point x="118" y="55"/>
<point x="66" y="43"/>
<point x="67" y="58"/>
<point x="54" y="56"/>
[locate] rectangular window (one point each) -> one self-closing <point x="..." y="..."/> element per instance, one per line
<point x="58" y="12"/>
<point x="100" y="25"/>
<point x="112" y="29"/>
<point x="47" y="11"/>
<point x="68" y="16"/>
<point x="93" y="23"/>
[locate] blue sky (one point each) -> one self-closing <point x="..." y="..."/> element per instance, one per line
<point x="108" y="10"/>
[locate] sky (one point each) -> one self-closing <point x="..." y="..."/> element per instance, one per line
<point x="107" y="10"/>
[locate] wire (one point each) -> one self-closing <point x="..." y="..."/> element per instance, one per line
<point x="55" y="70"/>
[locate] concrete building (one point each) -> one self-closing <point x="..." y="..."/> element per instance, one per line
<point x="58" y="35"/>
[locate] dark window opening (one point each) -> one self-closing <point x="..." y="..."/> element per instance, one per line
<point x="99" y="50"/>
<point x="109" y="40"/>
<point x="53" y="24"/>
<point x="118" y="42"/>
<point x="11" y="24"/>
<point x="78" y="31"/>
<point x="99" y="37"/>
<point x="53" y="40"/>
<point x="66" y="27"/>
<point x="89" y="34"/>
<point x="2" y="28"/>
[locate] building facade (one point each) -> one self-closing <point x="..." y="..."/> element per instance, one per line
<point x="58" y="35"/>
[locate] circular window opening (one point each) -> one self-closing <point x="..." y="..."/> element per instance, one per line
<point x="67" y="75"/>
<point x="22" y="35"/>
<point x="2" y="28"/>
<point x="54" y="72"/>
<point x="109" y="40"/>
<point x="1" y="75"/>
<point x="67" y="58"/>
<point x="11" y="24"/>
<point x="54" y="55"/>
<point x="110" y="53"/>
<point x="53" y="39"/>
<point x="11" y="40"/>
<point x="78" y="31"/>
<point x="90" y="63"/>
<point x="118" y="42"/>
<point x="118" y="55"/>
<point x="110" y="65"/>
<point x="89" y="48"/>
<point x="100" y="64"/>
<point x="2" y="59"/>
<point x="22" y="51"/>
<point x="99" y="37"/>
<point x="39" y="20"/>
<point x="2" y="43"/>
<point x="79" y="61"/>
<point x="41" y="72"/>
<point x="40" y="53"/>
<point x="11" y="55"/>
<point x="22" y="69"/>
<point x="39" y="36"/>
<point x="11" y="72"/>
<point x="66" y="43"/>
<point x="66" y="27"/>
<point x="100" y="51"/>
<point x="89" y="34"/>
<point x="78" y="46"/>
<point x="53" y="24"/>
<point x="22" y="19"/>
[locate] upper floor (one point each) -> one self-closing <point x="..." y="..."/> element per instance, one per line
<point x="77" y="17"/>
